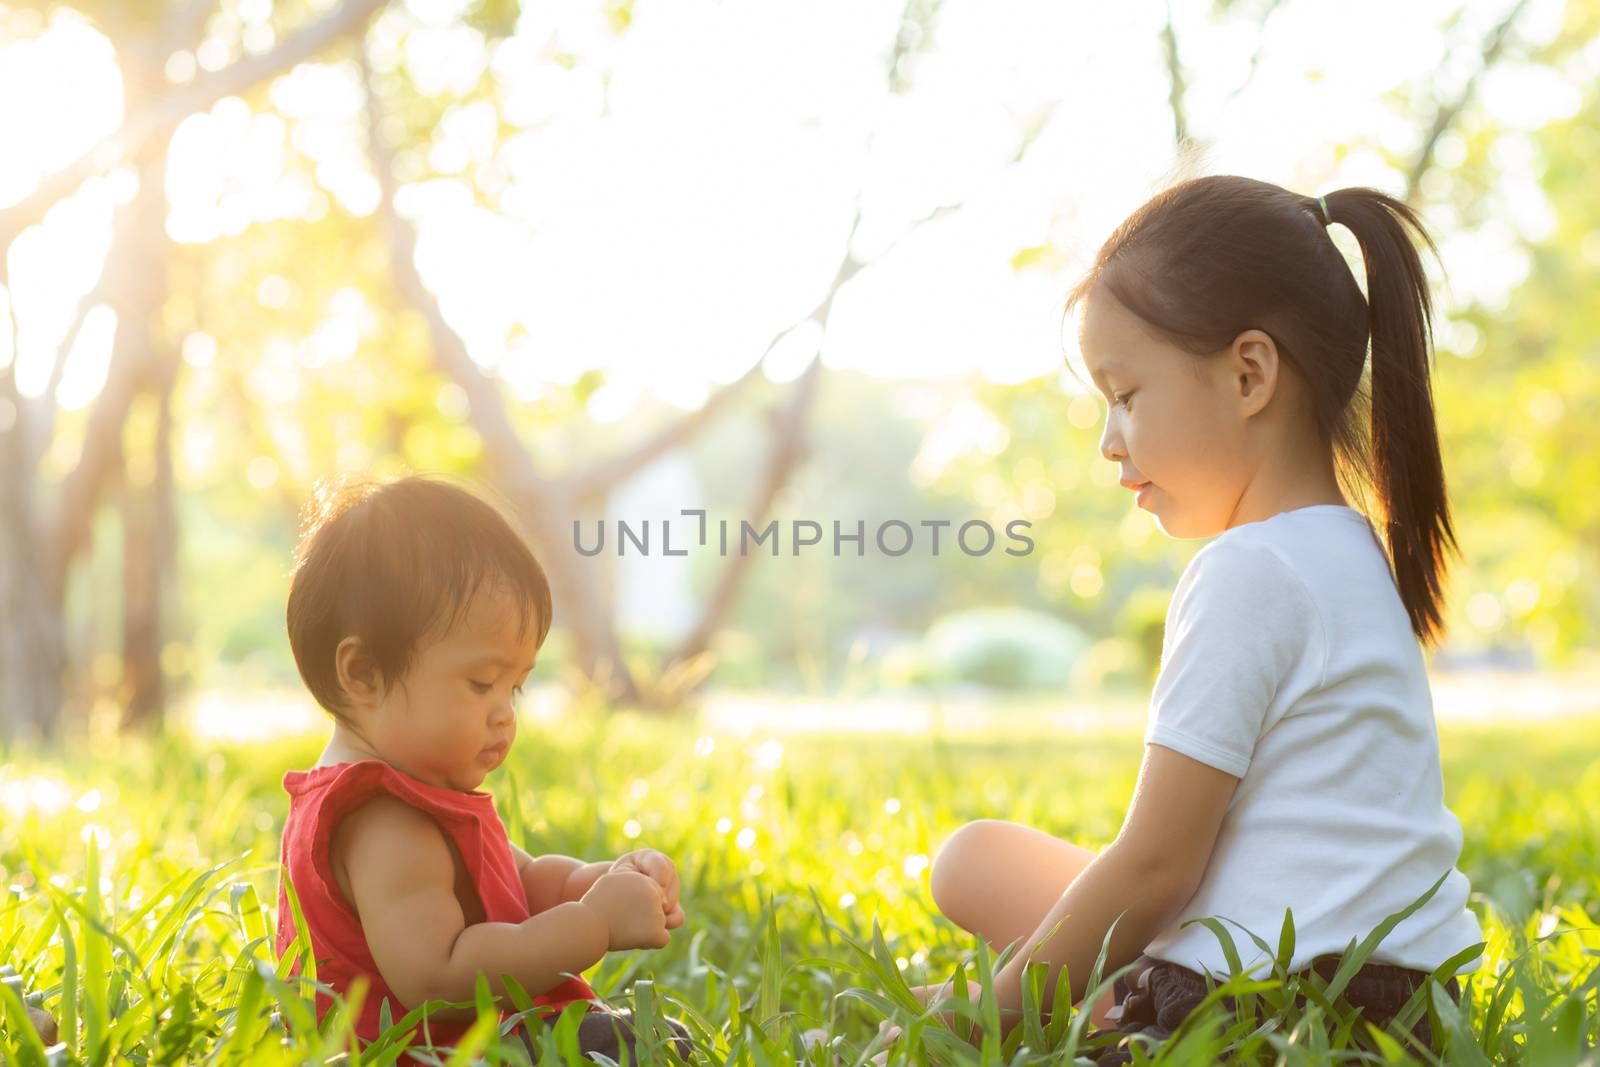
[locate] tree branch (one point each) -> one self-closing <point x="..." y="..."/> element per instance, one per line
<point x="1447" y="114"/>
<point x="134" y="291"/>
<point x="598" y="479"/>
<point x="41" y="433"/>
<point x="1175" y="89"/>
<point x="184" y="24"/>
<point x="541" y="503"/>
<point x="788" y="445"/>
<point x="348" y="18"/>
<point x="177" y="104"/>
<point x="1255" y="56"/>
<point x="483" y="397"/>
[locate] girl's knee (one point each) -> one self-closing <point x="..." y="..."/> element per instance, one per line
<point x="949" y="877"/>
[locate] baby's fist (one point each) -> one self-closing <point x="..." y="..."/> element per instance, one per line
<point x="630" y="904"/>
<point x="660" y="869"/>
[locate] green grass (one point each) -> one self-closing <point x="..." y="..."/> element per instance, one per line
<point x="143" y="879"/>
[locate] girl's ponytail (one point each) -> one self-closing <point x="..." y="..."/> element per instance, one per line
<point x="1407" y="470"/>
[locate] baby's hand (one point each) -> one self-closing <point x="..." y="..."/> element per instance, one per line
<point x="656" y="866"/>
<point x="630" y="903"/>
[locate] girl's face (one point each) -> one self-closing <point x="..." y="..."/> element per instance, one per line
<point x="452" y="718"/>
<point x="1175" y="421"/>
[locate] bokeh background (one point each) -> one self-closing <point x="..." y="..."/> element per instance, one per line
<point x="776" y="262"/>
<point x="773" y="261"/>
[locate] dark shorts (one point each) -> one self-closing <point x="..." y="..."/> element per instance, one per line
<point x="1155" y="996"/>
<point x="608" y="1030"/>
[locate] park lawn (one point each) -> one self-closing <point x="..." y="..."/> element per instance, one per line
<point x="143" y="883"/>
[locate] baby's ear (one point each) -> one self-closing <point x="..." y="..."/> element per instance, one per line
<point x="359" y="678"/>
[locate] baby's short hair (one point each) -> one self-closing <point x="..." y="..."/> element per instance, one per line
<point x="394" y="561"/>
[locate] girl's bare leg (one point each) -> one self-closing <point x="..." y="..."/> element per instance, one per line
<point x="998" y="879"/>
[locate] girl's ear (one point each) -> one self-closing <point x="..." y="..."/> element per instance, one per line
<point x="359" y="678"/>
<point x="1253" y="370"/>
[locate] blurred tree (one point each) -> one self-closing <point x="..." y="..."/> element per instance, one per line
<point x="157" y="46"/>
<point x="41" y="541"/>
<point x="1519" y="388"/>
<point x="307" y="344"/>
<point x="544" y="498"/>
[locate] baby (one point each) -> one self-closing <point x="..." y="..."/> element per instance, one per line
<point x="415" y="615"/>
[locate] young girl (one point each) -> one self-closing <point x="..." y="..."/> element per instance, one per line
<point x="415" y="615"/>
<point x="1291" y="756"/>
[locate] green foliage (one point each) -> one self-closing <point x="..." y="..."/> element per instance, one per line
<point x="1003" y="648"/>
<point x="320" y="366"/>
<point x="1520" y="396"/>
<point x="144" y="884"/>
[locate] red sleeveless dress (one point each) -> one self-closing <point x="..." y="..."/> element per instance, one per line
<point x="318" y="799"/>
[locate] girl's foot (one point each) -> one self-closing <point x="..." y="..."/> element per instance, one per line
<point x="45" y="1023"/>
<point x="888" y="1034"/>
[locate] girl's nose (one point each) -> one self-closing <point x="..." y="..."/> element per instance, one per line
<point x="1111" y="442"/>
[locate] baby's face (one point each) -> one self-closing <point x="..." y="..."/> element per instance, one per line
<point x="452" y="718"/>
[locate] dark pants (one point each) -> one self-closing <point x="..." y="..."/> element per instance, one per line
<point x="1155" y="996"/>
<point x="607" y="1031"/>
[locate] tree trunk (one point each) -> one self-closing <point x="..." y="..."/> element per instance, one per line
<point x="32" y="640"/>
<point x="541" y="503"/>
<point x="37" y="550"/>
<point x="148" y="553"/>
<point x="788" y="450"/>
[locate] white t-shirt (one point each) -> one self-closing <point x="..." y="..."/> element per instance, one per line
<point x="1288" y="661"/>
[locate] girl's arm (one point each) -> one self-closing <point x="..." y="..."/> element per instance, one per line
<point x="1071" y="933"/>
<point x="1150" y="871"/>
